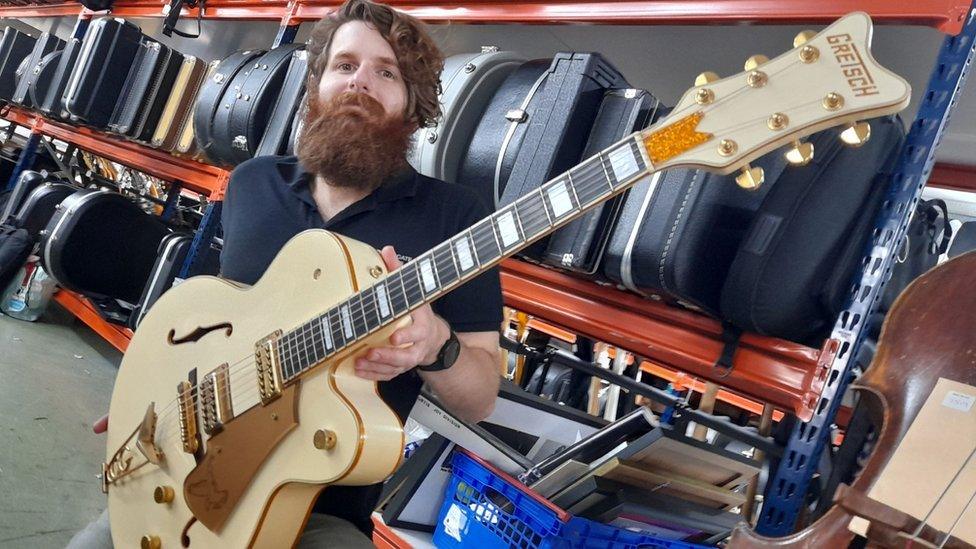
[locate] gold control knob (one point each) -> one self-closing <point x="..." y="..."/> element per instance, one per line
<point x="324" y="439"/>
<point x="706" y="77"/>
<point x="163" y="494"/>
<point x="151" y="542"/>
<point x="753" y="62"/>
<point x="800" y="154"/>
<point x="751" y="178"/>
<point x="375" y="271"/>
<point x="803" y="38"/>
<point x="856" y="134"/>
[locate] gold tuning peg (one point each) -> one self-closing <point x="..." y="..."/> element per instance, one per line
<point x="800" y="154"/>
<point x="750" y="178"/>
<point x="706" y="77"/>
<point x="802" y="38"/>
<point x="755" y="61"/>
<point x="856" y="134"/>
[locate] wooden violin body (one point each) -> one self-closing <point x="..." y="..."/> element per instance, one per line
<point x="930" y="333"/>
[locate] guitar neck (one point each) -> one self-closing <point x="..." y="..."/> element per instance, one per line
<point x="464" y="256"/>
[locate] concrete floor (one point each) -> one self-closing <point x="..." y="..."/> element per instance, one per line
<point x="56" y="377"/>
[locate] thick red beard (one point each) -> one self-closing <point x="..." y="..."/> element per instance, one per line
<point x="351" y="142"/>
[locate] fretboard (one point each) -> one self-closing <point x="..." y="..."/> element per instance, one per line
<point x="464" y="256"/>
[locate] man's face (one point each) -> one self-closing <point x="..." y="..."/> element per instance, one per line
<point x="362" y="61"/>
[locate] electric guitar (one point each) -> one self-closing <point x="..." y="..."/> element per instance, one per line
<point x="235" y="406"/>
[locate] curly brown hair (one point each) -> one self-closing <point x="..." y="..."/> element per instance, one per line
<point x="419" y="58"/>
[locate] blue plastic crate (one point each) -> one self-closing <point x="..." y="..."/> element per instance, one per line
<point x="483" y="509"/>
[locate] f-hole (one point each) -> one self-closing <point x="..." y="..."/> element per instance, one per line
<point x="198" y="333"/>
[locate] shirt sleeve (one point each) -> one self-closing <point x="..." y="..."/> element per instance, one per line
<point x="475" y="306"/>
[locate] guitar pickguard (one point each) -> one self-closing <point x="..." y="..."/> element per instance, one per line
<point x="214" y="487"/>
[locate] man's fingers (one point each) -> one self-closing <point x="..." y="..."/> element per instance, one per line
<point x="100" y="425"/>
<point x="367" y="369"/>
<point x="399" y="358"/>
<point x="390" y="258"/>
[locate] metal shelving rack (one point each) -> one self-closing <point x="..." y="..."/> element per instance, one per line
<point x="805" y="381"/>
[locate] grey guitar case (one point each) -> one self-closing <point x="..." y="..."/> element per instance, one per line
<point x="242" y="118"/>
<point x="468" y="82"/>
<point x="46" y="44"/>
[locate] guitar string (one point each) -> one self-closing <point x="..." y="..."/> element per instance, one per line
<point x="959" y="471"/>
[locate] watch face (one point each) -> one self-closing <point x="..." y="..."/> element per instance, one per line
<point x="451" y="352"/>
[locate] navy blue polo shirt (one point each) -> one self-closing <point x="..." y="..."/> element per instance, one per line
<point x="269" y="200"/>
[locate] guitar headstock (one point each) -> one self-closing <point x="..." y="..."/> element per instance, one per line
<point x="828" y="79"/>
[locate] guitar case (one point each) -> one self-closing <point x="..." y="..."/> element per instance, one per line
<point x="146" y="90"/>
<point x="488" y="161"/>
<point x="468" y="81"/>
<point x="104" y="62"/>
<point x="43" y="77"/>
<point x="15" y="48"/>
<point x="52" y="103"/>
<point x="176" y="111"/>
<point x="579" y="245"/>
<point x="296" y="128"/>
<point x="242" y="118"/>
<point x="211" y="94"/>
<point x="25" y="185"/>
<point x="101" y="244"/>
<point x="285" y="109"/>
<point x="169" y="260"/>
<point x="40" y="205"/>
<point x="46" y="44"/>
<point x="186" y="140"/>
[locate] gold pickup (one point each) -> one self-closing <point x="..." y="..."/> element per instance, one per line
<point x="215" y="399"/>
<point x="269" y="369"/>
<point x="188" y="417"/>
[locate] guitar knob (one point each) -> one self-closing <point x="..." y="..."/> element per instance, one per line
<point x="856" y="134"/>
<point x="800" y="154"/>
<point x="750" y="178"/>
<point x="151" y="542"/>
<point x="753" y="62"/>
<point x="706" y="77"/>
<point x="163" y="494"/>
<point x="803" y="38"/>
<point x="324" y="439"/>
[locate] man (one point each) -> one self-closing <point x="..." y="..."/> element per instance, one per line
<point x="373" y="80"/>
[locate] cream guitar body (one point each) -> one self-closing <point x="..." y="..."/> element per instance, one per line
<point x="269" y="461"/>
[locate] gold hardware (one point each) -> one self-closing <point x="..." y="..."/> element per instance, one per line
<point x="151" y="542"/>
<point x="833" y="101"/>
<point x="324" y="439"/>
<point x="777" y="121"/>
<point x="856" y="134"/>
<point x="757" y="79"/>
<point x="704" y="96"/>
<point x="755" y="61"/>
<point x="727" y="147"/>
<point x="215" y="399"/>
<point x="187" y="417"/>
<point x="803" y="37"/>
<point x="675" y="138"/>
<point x="809" y="54"/>
<point x="706" y="77"/>
<point x="145" y="442"/>
<point x="800" y="154"/>
<point x="274" y="416"/>
<point x="375" y="271"/>
<point x="269" y="370"/>
<point x="163" y="494"/>
<point x="750" y="178"/>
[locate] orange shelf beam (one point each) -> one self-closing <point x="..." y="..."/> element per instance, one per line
<point x="77" y="305"/>
<point x="788" y="375"/>
<point x="196" y="176"/>
<point x="953" y="176"/>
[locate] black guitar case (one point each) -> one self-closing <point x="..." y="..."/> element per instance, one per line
<point x="242" y="119"/>
<point x="169" y="260"/>
<point x="100" y="244"/>
<point x="579" y="245"/>
<point x="52" y="104"/>
<point x="296" y="127"/>
<point x="211" y="93"/>
<point x="285" y="109"/>
<point x="152" y="83"/>
<point x="498" y="135"/>
<point x="43" y="76"/>
<point x="15" y="48"/>
<point x="107" y="54"/>
<point x="40" y="205"/>
<point x="46" y="44"/>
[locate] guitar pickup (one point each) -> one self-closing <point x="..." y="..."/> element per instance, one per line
<point x="215" y="399"/>
<point x="269" y="368"/>
<point x="188" y="417"/>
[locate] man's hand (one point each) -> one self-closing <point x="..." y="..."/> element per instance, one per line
<point x="416" y="344"/>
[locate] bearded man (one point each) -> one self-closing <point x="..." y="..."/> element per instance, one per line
<point x="373" y="81"/>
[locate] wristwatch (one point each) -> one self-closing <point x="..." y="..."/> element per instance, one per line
<point x="446" y="357"/>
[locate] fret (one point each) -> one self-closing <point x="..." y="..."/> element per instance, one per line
<point x="303" y="350"/>
<point x="357" y="316"/>
<point x="411" y="284"/>
<point x="428" y="277"/>
<point x="590" y="182"/>
<point x="284" y="351"/>
<point x="528" y="211"/>
<point x="398" y="295"/>
<point x="545" y="205"/>
<point x="382" y="300"/>
<point x="318" y="352"/>
<point x="639" y="152"/>
<point x="463" y="249"/>
<point x="370" y="312"/>
<point x="291" y="359"/>
<point x="446" y="264"/>
<point x="559" y="199"/>
<point x="606" y="172"/>
<point x="485" y="245"/>
<point x="507" y="225"/>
